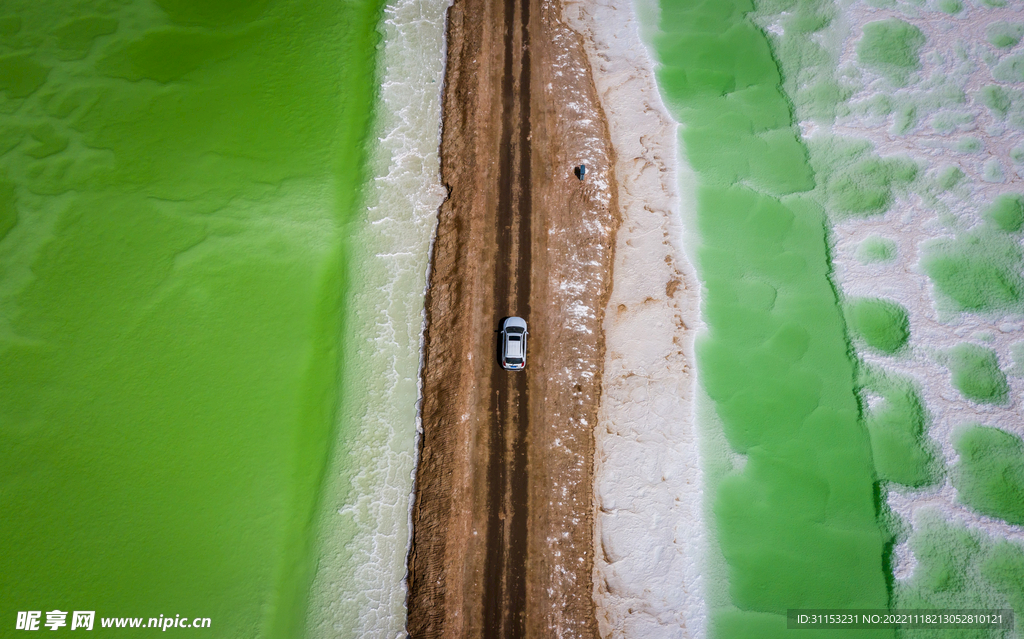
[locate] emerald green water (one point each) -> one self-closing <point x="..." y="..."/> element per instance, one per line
<point x="976" y="374"/>
<point x="990" y="475"/>
<point x="1006" y="213"/>
<point x="875" y="249"/>
<point x="979" y="270"/>
<point x="797" y="525"/>
<point x="892" y="48"/>
<point x="900" y="447"/>
<point x="883" y="325"/>
<point x="177" y="181"/>
<point x="962" y="568"/>
<point x="1004" y="34"/>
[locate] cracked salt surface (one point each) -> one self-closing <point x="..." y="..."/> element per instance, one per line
<point x="647" y="482"/>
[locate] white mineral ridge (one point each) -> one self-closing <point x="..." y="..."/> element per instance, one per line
<point x="649" y="536"/>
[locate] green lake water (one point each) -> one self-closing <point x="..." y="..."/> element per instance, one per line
<point x="797" y="522"/>
<point x="178" y="181"/>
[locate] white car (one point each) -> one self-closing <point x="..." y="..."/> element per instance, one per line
<point x="513" y="344"/>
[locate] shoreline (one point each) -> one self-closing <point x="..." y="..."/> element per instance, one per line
<point x="647" y="575"/>
<point x="364" y="521"/>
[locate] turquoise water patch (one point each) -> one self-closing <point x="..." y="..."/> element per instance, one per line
<point x="797" y="526"/>
<point x="176" y="192"/>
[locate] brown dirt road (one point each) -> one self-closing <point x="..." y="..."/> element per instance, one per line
<point x="503" y="518"/>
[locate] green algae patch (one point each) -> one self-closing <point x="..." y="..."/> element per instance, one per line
<point x="945" y="557"/>
<point x="853" y="181"/>
<point x="976" y="373"/>
<point x="990" y="475"/>
<point x="797" y="527"/>
<point x="1017" y="154"/>
<point x="949" y="122"/>
<point x="997" y="99"/>
<point x="170" y="306"/>
<point x="952" y="7"/>
<point x="960" y="568"/>
<point x="882" y="324"/>
<point x="1009" y="69"/>
<point x="935" y="101"/>
<point x="899" y="445"/>
<point x="977" y="271"/>
<point x="993" y="171"/>
<point x="1006" y="213"/>
<point x="949" y="177"/>
<point x="969" y="144"/>
<point x="753" y="139"/>
<point x="891" y="47"/>
<point x="1004" y="34"/>
<point x="876" y="249"/>
<point x="9" y="25"/>
<point x="1003" y="568"/>
<point x="47" y="141"/>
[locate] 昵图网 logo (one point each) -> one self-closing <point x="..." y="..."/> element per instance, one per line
<point x="30" y="619"/>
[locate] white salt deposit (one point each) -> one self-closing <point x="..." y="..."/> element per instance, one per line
<point x="649" y="536"/>
<point x="360" y="589"/>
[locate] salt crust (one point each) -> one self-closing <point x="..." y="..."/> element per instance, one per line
<point x="650" y="534"/>
<point x="911" y="223"/>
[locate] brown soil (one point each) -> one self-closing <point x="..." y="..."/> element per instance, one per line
<point x="503" y="520"/>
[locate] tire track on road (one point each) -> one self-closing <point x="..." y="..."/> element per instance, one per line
<point x="505" y="578"/>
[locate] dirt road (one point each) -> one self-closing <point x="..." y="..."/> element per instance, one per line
<point x="503" y="518"/>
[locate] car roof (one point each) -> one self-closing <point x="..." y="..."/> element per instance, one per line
<point x="514" y="321"/>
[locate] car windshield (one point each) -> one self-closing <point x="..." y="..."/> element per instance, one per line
<point x="514" y="360"/>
